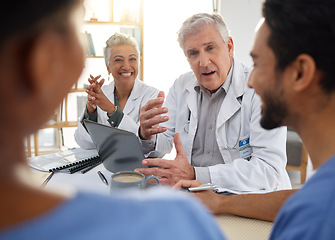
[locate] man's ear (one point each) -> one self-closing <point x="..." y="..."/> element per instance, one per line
<point x="45" y="68"/>
<point x="46" y="61"/>
<point x="230" y="45"/>
<point x="34" y="91"/>
<point x="304" y="72"/>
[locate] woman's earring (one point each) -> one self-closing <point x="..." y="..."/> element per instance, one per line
<point x="109" y="75"/>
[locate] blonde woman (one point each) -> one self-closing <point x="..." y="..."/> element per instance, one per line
<point x="118" y="103"/>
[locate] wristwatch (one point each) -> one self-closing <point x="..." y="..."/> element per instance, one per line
<point x="110" y="114"/>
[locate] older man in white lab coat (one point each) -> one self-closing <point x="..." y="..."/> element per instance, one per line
<point x="217" y="117"/>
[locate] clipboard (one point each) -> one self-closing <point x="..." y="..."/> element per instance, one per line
<point x="120" y="150"/>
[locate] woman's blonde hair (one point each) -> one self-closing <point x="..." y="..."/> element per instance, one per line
<point x="119" y="39"/>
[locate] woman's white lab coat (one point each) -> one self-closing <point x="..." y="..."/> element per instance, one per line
<point x="140" y="95"/>
<point x="238" y="119"/>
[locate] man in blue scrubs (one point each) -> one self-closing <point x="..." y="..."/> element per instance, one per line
<point x="294" y="59"/>
<point x="293" y="73"/>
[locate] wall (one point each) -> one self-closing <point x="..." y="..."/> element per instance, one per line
<point x="164" y="60"/>
<point x="242" y="17"/>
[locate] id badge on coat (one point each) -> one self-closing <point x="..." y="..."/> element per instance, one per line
<point x="244" y="148"/>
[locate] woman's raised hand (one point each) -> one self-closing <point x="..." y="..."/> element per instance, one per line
<point x="96" y="97"/>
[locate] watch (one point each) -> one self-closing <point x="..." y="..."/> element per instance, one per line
<point x="110" y="114"/>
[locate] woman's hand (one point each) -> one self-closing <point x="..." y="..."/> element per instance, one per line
<point x="95" y="96"/>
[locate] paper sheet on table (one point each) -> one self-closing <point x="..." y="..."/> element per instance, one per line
<point x="222" y="190"/>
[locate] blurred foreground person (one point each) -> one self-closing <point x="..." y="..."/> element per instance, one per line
<point x="41" y="58"/>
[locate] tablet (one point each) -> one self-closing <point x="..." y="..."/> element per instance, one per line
<point x="120" y="150"/>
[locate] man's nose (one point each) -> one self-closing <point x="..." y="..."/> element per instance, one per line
<point x="250" y="80"/>
<point x="204" y="60"/>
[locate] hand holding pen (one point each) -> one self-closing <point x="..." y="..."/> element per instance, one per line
<point x="202" y="187"/>
<point x="209" y="198"/>
<point x="194" y="186"/>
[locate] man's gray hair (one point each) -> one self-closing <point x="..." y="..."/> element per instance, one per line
<point x="198" y="22"/>
<point x="119" y="39"/>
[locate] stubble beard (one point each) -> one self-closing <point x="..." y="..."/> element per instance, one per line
<point x="275" y="111"/>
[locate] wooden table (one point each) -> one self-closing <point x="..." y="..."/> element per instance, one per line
<point x="240" y="228"/>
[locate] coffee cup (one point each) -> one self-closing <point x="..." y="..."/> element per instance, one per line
<point x="130" y="179"/>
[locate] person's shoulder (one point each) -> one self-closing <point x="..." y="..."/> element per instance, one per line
<point x="316" y="196"/>
<point x="90" y="216"/>
<point x="142" y="84"/>
<point x="241" y="72"/>
<point x="312" y="208"/>
<point x="174" y="202"/>
<point x="185" y="80"/>
<point x="162" y="201"/>
<point x="161" y="194"/>
<point x="145" y="88"/>
<point x="240" y="66"/>
<point x="166" y="206"/>
<point x="320" y="186"/>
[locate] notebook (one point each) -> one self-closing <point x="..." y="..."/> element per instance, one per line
<point x="119" y="150"/>
<point x="81" y="165"/>
<point x="69" y="161"/>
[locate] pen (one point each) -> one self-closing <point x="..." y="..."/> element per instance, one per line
<point x="47" y="180"/>
<point x="102" y="177"/>
<point x="203" y="187"/>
